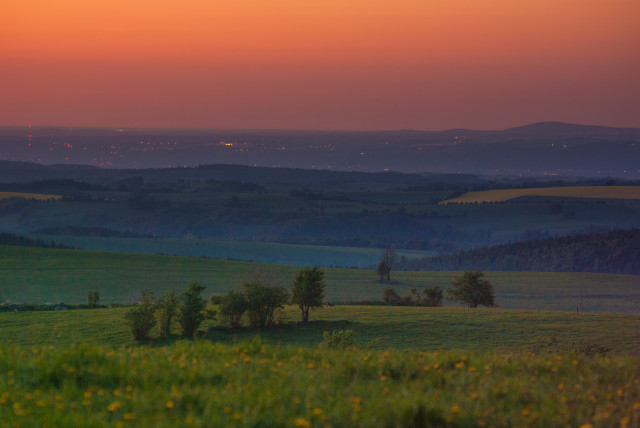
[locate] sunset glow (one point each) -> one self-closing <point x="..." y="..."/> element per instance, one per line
<point x="320" y="64"/>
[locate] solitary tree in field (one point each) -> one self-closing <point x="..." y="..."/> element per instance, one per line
<point x="389" y="257"/>
<point x="471" y="289"/>
<point x="308" y="289"/>
<point x="191" y="309"/>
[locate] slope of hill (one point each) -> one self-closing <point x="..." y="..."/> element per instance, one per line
<point x="612" y="252"/>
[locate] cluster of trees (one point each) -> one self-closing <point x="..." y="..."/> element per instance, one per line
<point x="470" y="289"/>
<point x="22" y="241"/>
<point x="262" y="302"/>
<point x="611" y="252"/>
<point x="188" y="309"/>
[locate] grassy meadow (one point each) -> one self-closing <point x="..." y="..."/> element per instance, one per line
<point x="383" y="327"/>
<point x="37" y="275"/>
<point x="255" y="384"/>
<point x="589" y="192"/>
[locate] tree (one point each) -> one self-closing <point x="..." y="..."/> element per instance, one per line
<point x="167" y="308"/>
<point x="381" y="270"/>
<point x="140" y="316"/>
<point x="471" y="289"/>
<point x="93" y="299"/>
<point x="232" y="307"/>
<point x="263" y="300"/>
<point x="307" y="290"/>
<point x="389" y="257"/>
<point x="192" y="305"/>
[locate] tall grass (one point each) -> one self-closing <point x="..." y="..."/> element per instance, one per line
<point x="253" y="384"/>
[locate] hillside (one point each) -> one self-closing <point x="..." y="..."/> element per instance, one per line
<point x="612" y="252"/>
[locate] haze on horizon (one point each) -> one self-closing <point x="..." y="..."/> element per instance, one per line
<point x="284" y="64"/>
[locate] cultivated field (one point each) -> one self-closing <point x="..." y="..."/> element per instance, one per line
<point x="589" y="192"/>
<point x="40" y="197"/>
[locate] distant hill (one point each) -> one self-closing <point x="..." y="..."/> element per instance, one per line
<point x="545" y="148"/>
<point x="612" y="252"/>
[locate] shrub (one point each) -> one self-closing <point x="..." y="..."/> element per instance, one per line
<point x="232" y="307"/>
<point x="263" y="301"/>
<point x="338" y="339"/>
<point x="167" y="308"/>
<point x="191" y="309"/>
<point x="390" y="296"/>
<point x="140" y="316"/>
<point x="433" y="296"/>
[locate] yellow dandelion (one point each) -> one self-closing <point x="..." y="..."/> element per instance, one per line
<point x="301" y="422"/>
<point x="169" y="404"/>
<point x="227" y="410"/>
<point x="460" y="364"/>
<point x="574" y="362"/>
<point x="128" y="416"/>
<point x="116" y="392"/>
<point x="87" y="394"/>
<point x="636" y="406"/>
<point x="455" y="408"/>
<point x="524" y="412"/>
<point x="310" y="366"/>
<point x="383" y="378"/>
<point x="317" y="411"/>
<point x="586" y="426"/>
<point x="113" y="406"/>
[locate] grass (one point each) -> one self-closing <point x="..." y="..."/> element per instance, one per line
<point x="38" y="196"/>
<point x="38" y="275"/>
<point x="303" y="255"/>
<point x="590" y="192"/>
<point x="253" y="384"/>
<point x="480" y="330"/>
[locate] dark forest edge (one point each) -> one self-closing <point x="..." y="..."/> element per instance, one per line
<point x="617" y="252"/>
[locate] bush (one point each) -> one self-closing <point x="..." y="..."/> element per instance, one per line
<point x="191" y="309"/>
<point x="433" y="296"/>
<point x="140" y="316"/>
<point x="232" y="307"/>
<point x="390" y="296"/>
<point x="167" y="308"/>
<point x="338" y="339"/>
<point x="263" y="302"/>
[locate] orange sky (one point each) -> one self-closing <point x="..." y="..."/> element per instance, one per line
<point x="332" y="64"/>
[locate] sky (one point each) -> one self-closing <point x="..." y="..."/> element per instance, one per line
<point x="328" y="65"/>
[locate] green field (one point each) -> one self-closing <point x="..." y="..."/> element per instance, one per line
<point x="237" y="250"/>
<point x="37" y="275"/>
<point x="253" y="384"/>
<point x="399" y="327"/>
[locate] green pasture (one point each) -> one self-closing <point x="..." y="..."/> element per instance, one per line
<point x="303" y="255"/>
<point x="425" y="329"/>
<point x="255" y="384"/>
<point x="37" y="275"/>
